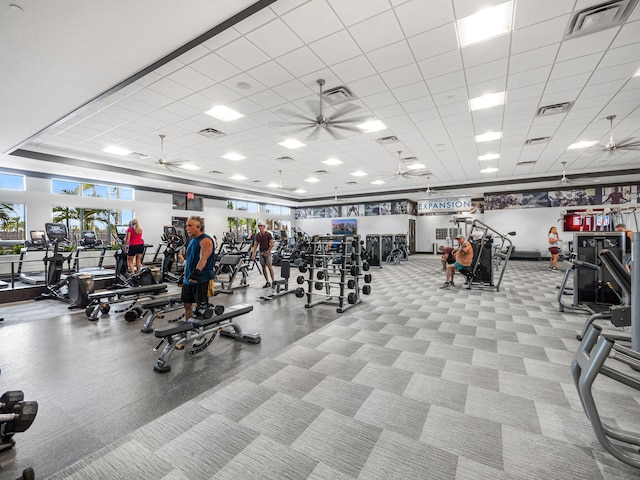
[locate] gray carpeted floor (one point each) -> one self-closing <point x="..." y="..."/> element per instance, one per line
<point x="415" y="383"/>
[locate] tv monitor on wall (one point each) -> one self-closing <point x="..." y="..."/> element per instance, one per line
<point x="347" y="226"/>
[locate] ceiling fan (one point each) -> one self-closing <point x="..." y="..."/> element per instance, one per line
<point x="566" y="181"/>
<point x="162" y="160"/>
<point x="321" y="122"/>
<point x="279" y="184"/>
<point x="624" y="145"/>
<point x="430" y="193"/>
<point x="414" y="170"/>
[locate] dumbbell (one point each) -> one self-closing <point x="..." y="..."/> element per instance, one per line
<point x="133" y="314"/>
<point x="207" y="310"/>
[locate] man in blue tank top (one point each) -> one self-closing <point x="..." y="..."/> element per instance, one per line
<point x="199" y="266"/>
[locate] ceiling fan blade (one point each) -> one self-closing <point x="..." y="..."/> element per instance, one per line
<point x="334" y="134"/>
<point x="346" y="127"/>
<point x="307" y="122"/>
<point x="314" y="133"/>
<point x="346" y="109"/>
<point x="286" y="113"/>
<point x="628" y="145"/>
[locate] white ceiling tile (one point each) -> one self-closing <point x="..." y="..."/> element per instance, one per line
<point x="441" y="65"/>
<point x="487" y="71"/>
<point x="190" y="78"/>
<point x="447" y="82"/>
<point x="621" y="56"/>
<point x="409" y="92"/>
<point x="215" y="67"/>
<point x="417" y="16"/>
<point x="390" y="57"/>
<point x="312" y="21"/>
<point x="270" y="74"/>
<point x="629" y="34"/>
<point x="242" y="54"/>
<point x="336" y="48"/>
<point x="301" y="62"/>
<point x="354" y="69"/>
<point x="377" y="31"/>
<point x="539" y="57"/>
<point x="434" y="42"/>
<point x="586" y="45"/>
<point x="530" y="12"/>
<point x="528" y="77"/>
<point x="193" y="54"/>
<point x="538" y="35"/>
<point x="355" y="11"/>
<point x="399" y="77"/>
<point x="487" y="51"/>
<point x="275" y="38"/>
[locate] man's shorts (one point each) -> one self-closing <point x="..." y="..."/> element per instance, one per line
<point x="460" y="267"/>
<point x="265" y="260"/>
<point x="195" y="293"/>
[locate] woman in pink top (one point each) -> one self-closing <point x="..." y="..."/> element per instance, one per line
<point x="134" y="246"/>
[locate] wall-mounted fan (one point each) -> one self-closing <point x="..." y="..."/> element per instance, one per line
<point x="626" y="144"/>
<point x="320" y="122"/>
<point x="162" y="160"/>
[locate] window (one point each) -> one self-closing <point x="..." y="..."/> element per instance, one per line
<point x="242" y="206"/>
<point x="182" y="202"/>
<point x="9" y="181"/>
<point x="100" y="221"/>
<point x="66" y="187"/>
<point x="11" y="221"/>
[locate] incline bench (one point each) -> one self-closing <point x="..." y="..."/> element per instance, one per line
<point x="226" y="271"/>
<point x="201" y="331"/>
<point x="101" y="301"/>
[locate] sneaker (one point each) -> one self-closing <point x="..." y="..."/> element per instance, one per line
<point x="446" y="285"/>
<point x="452" y="284"/>
<point x="267" y="285"/>
<point x="554" y="268"/>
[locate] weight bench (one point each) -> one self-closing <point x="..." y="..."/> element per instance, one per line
<point x="280" y="287"/>
<point x="16" y="415"/>
<point x="157" y="309"/>
<point x="587" y="364"/>
<point x="619" y="315"/>
<point x="201" y="331"/>
<point x="101" y="301"/>
<point x="226" y="271"/>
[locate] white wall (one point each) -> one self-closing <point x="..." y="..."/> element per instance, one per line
<point x="530" y="224"/>
<point x="426" y="230"/>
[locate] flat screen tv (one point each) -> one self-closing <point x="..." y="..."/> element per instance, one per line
<point x="347" y="226"/>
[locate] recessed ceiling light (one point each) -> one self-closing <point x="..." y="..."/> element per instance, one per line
<point x="189" y="166"/>
<point x="331" y="161"/>
<point x="233" y="156"/>
<point x="299" y="190"/>
<point x="117" y="150"/>
<point x="485" y="24"/>
<point x="489" y="156"/>
<point x="223" y="113"/>
<point x="415" y="166"/>
<point x="487" y="101"/>
<point x="372" y="126"/>
<point x="273" y="185"/>
<point x="637" y="74"/>
<point x="489" y="136"/>
<point x="292" y="143"/>
<point x="489" y="170"/>
<point x="312" y="180"/>
<point x="585" y="144"/>
<point x="378" y="182"/>
<point x="359" y="173"/>
<point x="238" y="177"/>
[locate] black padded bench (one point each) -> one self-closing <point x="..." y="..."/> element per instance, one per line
<point x="227" y="270"/>
<point x="157" y="309"/>
<point x="101" y="301"/>
<point x="201" y="332"/>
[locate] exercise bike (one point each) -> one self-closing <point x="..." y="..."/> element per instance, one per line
<point x="73" y="288"/>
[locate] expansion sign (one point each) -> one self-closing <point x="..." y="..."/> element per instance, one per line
<point x="444" y="205"/>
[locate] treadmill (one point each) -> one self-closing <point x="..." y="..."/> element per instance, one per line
<point x="90" y="241"/>
<point x="37" y="243"/>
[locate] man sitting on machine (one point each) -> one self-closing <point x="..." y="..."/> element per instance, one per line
<point x="464" y="257"/>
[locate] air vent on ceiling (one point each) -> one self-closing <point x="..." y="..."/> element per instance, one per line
<point x="140" y="156"/>
<point x="409" y="159"/>
<point x="285" y="159"/>
<point x="211" y="133"/>
<point x="389" y="139"/>
<point x="526" y="163"/>
<point x="554" y="109"/>
<point x="599" y="17"/>
<point x="338" y="94"/>
<point x="320" y="172"/>
<point x="351" y="183"/>
<point x="215" y="172"/>
<point x="536" y="141"/>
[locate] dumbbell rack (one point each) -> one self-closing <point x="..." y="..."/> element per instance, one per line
<point x="334" y="261"/>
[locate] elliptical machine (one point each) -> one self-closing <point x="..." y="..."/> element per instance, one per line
<point x="174" y="243"/>
<point x="124" y="279"/>
<point x="74" y="288"/>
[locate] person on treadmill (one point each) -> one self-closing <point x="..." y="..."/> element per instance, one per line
<point x="134" y="246"/>
<point x="199" y="266"/>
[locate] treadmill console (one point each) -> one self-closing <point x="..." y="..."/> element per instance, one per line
<point x="56" y="232"/>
